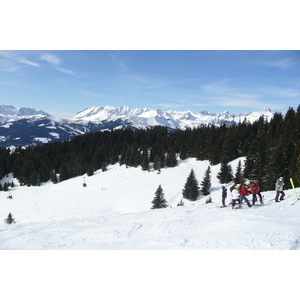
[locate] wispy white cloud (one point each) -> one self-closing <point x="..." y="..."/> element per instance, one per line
<point x="241" y="102"/>
<point x="56" y="62"/>
<point x="65" y="70"/>
<point x="13" y="55"/>
<point x="222" y="94"/>
<point x="221" y="89"/>
<point x="283" y="63"/>
<point x="26" y="61"/>
<point x="50" y="58"/>
<point x="281" y="92"/>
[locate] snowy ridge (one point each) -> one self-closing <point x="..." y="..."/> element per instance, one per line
<point x="9" y="113"/>
<point x="114" y="212"/>
<point x="15" y="123"/>
<point x="145" y="117"/>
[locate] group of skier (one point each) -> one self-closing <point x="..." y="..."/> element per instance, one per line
<point x="239" y="193"/>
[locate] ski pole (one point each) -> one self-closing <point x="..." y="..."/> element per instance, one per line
<point x="296" y="196"/>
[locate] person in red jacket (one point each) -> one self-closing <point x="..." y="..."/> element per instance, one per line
<point x="259" y="194"/>
<point x="254" y="188"/>
<point x="243" y="192"/>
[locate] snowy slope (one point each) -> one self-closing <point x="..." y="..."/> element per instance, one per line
<point x="113" y="212"/>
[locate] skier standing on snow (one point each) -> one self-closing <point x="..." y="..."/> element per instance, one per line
<point x="224" y="195"/>
<point x="243" y="193"/>
<point x="254" y="188"/>
<point x="231" y="189"/>
<point x="236" y="197"/>
<point x="259" y="194"/>
<point x="279" y="189"/>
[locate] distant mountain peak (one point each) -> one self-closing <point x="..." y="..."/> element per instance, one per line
<point x="146" y="117"/>
<point x="11" y="111"/>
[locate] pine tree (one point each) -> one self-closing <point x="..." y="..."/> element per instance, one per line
<point x="225" y="174"/>
<point x="181" y="203"/>
<point x="238" y="177"/>
<point x="104" y="167"/>
<point x="10" y="219"/>
<point x="171" y="160"/>
<point x="206" y="182"/>
<point x="156" y="162"/>
<point x="5" y="187"/>
<point x="191" y="187"/>
<point x="90" y="171"/>
<point x="64" y="172"/>
<point x="54" y="178"/>
<point x="145" y="160"/>
<point x="159" y="200"/>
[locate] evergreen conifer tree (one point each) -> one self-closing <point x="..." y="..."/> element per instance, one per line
<point x="171" y="160"/>
<point x="181" y="203"/>
<point x="90" y="171"/>
<point x="225" y="174"/>
<point x="54" y="178"/>
<point x="159" y="200"/>
<point x="145" y="160"/>
<point x="10" y="219"/>
<point x="206" y="182"/>
<point x="156" y="162"/>
<point x="191" y="187"/>
<point x="238" y="177"/>
<point x="104" y="166"/>
<point x="64" y="172"/>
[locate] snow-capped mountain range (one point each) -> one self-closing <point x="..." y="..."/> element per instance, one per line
<point x="145" y="117"/>
<point x="27" y="126"/>
<point x="10" y="113"/>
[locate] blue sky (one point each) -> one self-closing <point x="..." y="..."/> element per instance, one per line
<point x="64" y="82"/>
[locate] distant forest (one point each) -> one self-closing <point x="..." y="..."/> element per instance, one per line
<point x="271" y="148"/>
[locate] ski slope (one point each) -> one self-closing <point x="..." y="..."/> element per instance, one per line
<point x="114" y="213"/>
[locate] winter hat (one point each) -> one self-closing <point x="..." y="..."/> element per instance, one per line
<point x="237" y="187"/>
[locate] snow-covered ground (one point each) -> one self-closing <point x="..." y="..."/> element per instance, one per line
<point x="113" y="213"/>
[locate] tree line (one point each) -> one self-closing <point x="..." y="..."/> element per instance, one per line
<point x="271" y="148"/>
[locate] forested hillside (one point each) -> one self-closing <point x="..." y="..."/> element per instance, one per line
<point x="271" y="149"/>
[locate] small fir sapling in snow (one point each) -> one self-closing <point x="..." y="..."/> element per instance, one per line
<point x="208" y="200"/>
<point x="10" y="219"/>
<point x="159" y="200"/>
<point x="180" y="203"/>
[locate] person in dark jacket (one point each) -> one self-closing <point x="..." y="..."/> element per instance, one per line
<point x="224" y="195"/>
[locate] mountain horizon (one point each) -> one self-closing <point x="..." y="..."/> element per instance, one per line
<point x="28" y="126"/>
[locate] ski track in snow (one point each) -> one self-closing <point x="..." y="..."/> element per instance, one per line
<point x="113" y="213"/>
